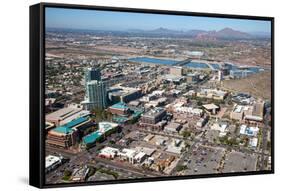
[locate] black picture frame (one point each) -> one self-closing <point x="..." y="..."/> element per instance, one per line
<point x="37" y="92"/>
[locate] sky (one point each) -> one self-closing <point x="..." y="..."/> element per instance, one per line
<point x="110" y="20"/>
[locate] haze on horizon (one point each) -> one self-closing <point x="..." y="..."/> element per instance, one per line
<point x="120" y="21"/>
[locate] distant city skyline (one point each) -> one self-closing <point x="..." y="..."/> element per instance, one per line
<point x="110" y="20"/>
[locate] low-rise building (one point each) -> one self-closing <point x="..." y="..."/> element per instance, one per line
<point x="154" y="116"/>
<point x="173" y="79"/>
<point x="253" y="112"/>
<point x="148" y="151"/>
<point x="119" y="108"/>
<point x="128" y="155"/>
<point x="211" y="108"/>
<point x="192" y="78"/>
<point x="221" y="127"/>
<point x="108" y="152"/>
<point x="52" y="162"/>
<point x="148" y="137"/>
<point x="249" y="131"/>
<point x="173" y="127"/>
<point x="202" y="121"/>
<point x="80" y="174"/>
<point x="253" y="142"/>
<point x="65" y="115"/>
<point x="140" y="157"/>
<point x="104" y="129"/>
<point x="158" y="92"/>
<point x="148" y="98"/>
<point x="256" y="112"/>
<point x="238" y="112"/>
<point x="176" y="146"/>
<point x="189" y="110"/>
<point x="66" y="135"/>
<point x="212" y="94"/>
<point x="176" y="70"/>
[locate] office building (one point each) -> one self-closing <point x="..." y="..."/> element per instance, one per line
<point x="123" y="94"/>
<point x="97" y="97"/>
<point x="91" y="74"/>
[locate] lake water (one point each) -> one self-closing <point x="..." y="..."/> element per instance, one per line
<point x="153" y="60"/>
<point x="191" y="64"/>
<point x="198" y="65"/>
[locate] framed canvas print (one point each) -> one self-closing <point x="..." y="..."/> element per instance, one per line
<point x="122" y="95"/>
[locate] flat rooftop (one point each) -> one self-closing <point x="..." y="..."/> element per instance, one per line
<point x="154" y="112"/>
<point x="92" y="137"/>
<point x="210" y="106"/>
<point x="173" y="125"/>
<point x="51" y="159"/>
<point x="67" y="128"/>
<point x="64" y="113"/>
<point x="120" y="105"/>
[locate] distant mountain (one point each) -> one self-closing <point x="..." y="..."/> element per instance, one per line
<point x="195" y="32"/>
<point x="226" y="33"/>
<point x="162" y="30"/>
<point x="230" y="33"/>
<point x="223" y="34"/>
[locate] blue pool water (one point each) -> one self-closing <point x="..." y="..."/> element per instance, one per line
<point x="153" y="60"/>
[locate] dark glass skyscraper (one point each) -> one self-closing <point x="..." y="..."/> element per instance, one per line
<point x="95" y="90"/>
<point x="92" y="74"/>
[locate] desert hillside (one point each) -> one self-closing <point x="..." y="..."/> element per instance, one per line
<point x="258" y="85"/>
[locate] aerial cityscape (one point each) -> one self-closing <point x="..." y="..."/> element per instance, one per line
<point x="137" y="95"/>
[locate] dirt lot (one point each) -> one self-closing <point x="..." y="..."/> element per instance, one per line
<point x="258" y="85"/>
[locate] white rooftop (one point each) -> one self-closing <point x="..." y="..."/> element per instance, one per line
<point x="51" y="159"/>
